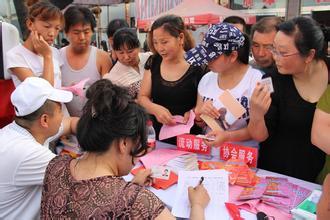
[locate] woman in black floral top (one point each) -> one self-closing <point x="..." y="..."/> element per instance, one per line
<point x="112" y="132"/>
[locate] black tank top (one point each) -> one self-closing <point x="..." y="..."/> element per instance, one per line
<point x="177" y="96"/>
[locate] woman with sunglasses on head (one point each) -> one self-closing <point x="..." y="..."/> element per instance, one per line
<point x="282" y="122"/>
<point x="112" y="132"/>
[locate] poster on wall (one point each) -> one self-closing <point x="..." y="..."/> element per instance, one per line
<point x="224" y="3"/>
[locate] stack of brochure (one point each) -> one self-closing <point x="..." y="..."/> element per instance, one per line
<point x="183" y="162"/>
<point x="175" y="160"/>
<point x="307" y="209"/>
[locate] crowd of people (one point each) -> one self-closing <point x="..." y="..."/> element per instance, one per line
<point x="124" y="88"/>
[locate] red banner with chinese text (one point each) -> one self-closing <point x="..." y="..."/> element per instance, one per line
<point x="189" y="142"/>
<point x="234" y="151"/>
<point x="247" y="3"/>
<point x="269" y="2"/>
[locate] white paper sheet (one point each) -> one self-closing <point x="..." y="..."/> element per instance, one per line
<point x="216" y="183"/>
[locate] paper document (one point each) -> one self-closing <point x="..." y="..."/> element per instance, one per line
<point x="184" y="162"/>
<point x="230" y="111"/>
<point x="168" y="131"/>
<point x="216" y="184"/>
<point x="211" y="122"/>
<point x="160" y="172"/>
<point x="160" y="157"/>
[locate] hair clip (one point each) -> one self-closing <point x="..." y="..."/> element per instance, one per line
<point x="94" y="115"/>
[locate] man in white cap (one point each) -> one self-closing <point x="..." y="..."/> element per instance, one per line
<point x="24" y="152"/>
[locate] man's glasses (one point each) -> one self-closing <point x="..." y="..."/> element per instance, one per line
<point x="281" y="54"/>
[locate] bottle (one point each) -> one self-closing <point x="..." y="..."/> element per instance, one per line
<point x="151" y="134"/>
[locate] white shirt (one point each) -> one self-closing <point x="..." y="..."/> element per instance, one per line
<point x="23" y="163"/>
<point x="123" y="75"/>
<point x="20" y="56"/>
<point x="209" y="89"/>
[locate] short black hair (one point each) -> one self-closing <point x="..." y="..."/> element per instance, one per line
<point x="307" y="35"/>
<point x="42" y="10"/>
<point x="109" y="115"/>
<point x="114" y="25"/>
<point x="47" y="108"/>
<point x="242" y="52"/>
<point x="174" y="25"/>
<point x="78" y="14"/>
<point x="235" y="20"/>
<point x="125" y="37"/>
<point x="266" y="25"/>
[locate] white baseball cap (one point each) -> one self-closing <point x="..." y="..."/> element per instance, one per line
<point x="33" y="92"/>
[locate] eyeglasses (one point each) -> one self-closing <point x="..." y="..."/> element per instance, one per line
<point x="281" y="54"/>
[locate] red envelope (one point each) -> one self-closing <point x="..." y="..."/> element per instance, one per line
<point x="210" y="165"/>
<point x="160" y="183"/>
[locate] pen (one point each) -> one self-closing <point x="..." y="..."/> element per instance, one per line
<point x="201" y="180"/>
<point x="262" y="216"/>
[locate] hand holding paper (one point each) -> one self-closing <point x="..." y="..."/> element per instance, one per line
<point x="163" y="115"/>
<point x="77" y="89"/>
<point x="159" y="183"/>
<point x="211" y="122"/>
<point x="228" y="111"/>
<point x="209" y="110"/>
<point x="268" y="83"/>
<point x="219" y="137"/>
<point x="160" y="172"/>
<point x="233" y="108"/>
<point x="206" y="137"/>
<point x="143" y="177"/>
<point x="186" y="117"/>
<point x="259" y="103"/>
<point x="168" y="131"/>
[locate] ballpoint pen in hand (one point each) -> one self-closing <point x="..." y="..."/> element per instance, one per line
<point x="201" y="180"/>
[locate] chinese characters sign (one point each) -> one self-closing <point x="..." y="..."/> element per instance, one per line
<point x="189" y="142"/>
<point x="234" y="151"/>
